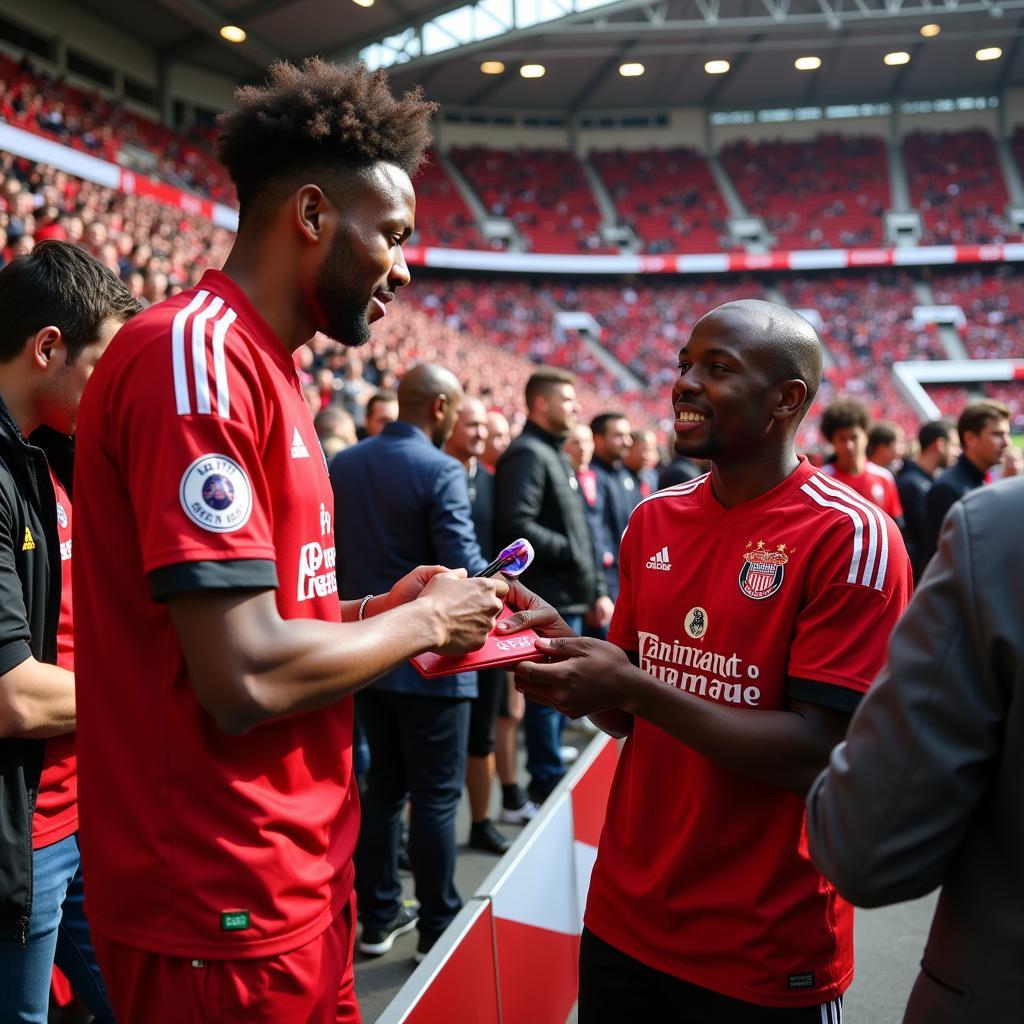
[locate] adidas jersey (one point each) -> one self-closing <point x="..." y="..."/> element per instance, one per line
<point x="876" y="484"/>
<point x="792" y="595"/>
<point x="198" y="467"/>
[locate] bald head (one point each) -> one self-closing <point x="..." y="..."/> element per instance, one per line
<point x="780" y="341"/>
<point x="429" y="397"/>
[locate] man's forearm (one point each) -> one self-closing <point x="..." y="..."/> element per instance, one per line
<point x="778" y="748"/>
<point x="37" y="700"/>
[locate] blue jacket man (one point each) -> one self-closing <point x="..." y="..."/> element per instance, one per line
<point x="400" y="503"/>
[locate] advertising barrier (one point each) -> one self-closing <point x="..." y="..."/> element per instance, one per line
<point x="511" y="955"/>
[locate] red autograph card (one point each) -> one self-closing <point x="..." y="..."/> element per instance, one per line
<point x="499" y="649"/>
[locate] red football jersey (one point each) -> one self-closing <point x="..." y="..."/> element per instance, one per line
<point x="56" y="815"/>
<point x="876" y="484"/>
<point x="198" y="467"/>
<point x="789" y="596"/>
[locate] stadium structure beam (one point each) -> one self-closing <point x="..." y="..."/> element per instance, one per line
<point x="208" y="20"/>
<point x="592" y="83"/>
<point x="695" y="16"/>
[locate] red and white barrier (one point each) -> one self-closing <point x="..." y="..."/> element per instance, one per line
<point x="36" y="147"/>
<point x="511" y="955"/>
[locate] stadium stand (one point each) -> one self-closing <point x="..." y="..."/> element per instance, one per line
<point x="442" y="216"/>
<point x="956" y="183"/>
<point x="993" y="303"/>
<point x="668" y="197"/>
<point x="543" y="191"/>
<point x="87" y="121"/>
<point x="829" y="192"/>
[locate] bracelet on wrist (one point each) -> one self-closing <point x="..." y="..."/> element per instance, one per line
<point x="362" y="605"/>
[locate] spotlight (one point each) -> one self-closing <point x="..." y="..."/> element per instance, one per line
<point x="492" y="67"/>
<point x="233" y="34"/>
<point x="533" y="71"/>
<point x="897" y="58"/>
<point x="631" y="70"/>
<point x="930" y="31"/>
<point x="807" y="63"/>
<point x="717" y="67"/>
<point x="989" y="53"/>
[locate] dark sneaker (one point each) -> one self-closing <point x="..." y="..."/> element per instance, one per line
<point x="520" y="815"/>
<point x="425" y="945"/>
<point x="378" y="941"/>
<point x="484" y="836"/>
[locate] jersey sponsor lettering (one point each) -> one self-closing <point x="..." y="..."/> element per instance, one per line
<point x="713" y="675"/>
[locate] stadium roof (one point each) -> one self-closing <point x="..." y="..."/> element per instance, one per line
<point x="582" y="44"/>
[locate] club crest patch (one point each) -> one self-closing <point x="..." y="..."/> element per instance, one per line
<point x="62" y="516"/>
<point x="215" y="494"/>
<point x="696" y="623"/>
<point x="763" y="570"/>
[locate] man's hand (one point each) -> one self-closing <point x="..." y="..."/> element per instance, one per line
<point x="600" y="613"/>
<point x="466" y="609"/>
<point x="584" y="676"/>
<point x="532" y="612"/>
<point x="410" y="586"/>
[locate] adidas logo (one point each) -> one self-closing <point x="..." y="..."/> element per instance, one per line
<point x="299" y="449"/>
<point x="659" y="560"/>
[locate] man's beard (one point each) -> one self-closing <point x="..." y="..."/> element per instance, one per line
<point x="344" y="309"/>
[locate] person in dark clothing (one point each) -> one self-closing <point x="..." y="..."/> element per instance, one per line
<point x="984" y="429"/>
<point x="642" y="459"/>
<point x="59" y="308"/>
<point x="679" y="471"/>
<point x="939" y="448"/>
<point x="537" y="497"/>
<point x="399" y="502"/>
<point x="618" y="488"/>
<point x="466" y="444"/>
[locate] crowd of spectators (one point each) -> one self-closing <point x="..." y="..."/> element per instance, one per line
<point x="442" y="216"/>
<point x="43" y="103"/>
<point x="956" y="183"/>
<point x="993" y="304"/>
<point x="543" y="191"/>
<point x="668" y="198"/>
<point x="826" y="193"/>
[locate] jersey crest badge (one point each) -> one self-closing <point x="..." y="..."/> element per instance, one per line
<point x="62" y="516"/>
<point x="696" y="623"/>
<point x="763" y="570"/>
<point x="215" y="494"/>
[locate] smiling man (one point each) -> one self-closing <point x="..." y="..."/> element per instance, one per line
<point x="754" y="610"/>
<point x="215" y="662"/>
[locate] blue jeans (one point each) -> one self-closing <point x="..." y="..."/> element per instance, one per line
<point x="57" y="932"/>
<point x="417" y="753"/>
<point x="544" y="727"/>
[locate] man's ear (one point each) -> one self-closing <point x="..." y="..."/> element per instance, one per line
<point x="792" y="395"/>
<point x="310" y="204"/>
<point x="438" y="407"/>
<point x="46" y="345"/>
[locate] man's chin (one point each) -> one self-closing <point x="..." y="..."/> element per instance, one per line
<point x="351" y="335"/>
<point x="703" y="450"/>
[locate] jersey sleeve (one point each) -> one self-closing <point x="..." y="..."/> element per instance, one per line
<point x="622" y="631"/>
<point x="842" y="631"/>
<point x="200" y="494"/>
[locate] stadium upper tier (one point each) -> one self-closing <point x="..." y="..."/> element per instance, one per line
<point x="828" y="193"/>
<point x="956" y="183"/>
<point x="668" y="198"/>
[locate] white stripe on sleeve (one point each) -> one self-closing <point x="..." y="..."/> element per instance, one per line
<point x="199" y="370"/>
<point x="220" y="330"/>
<point x="181" y="395"/>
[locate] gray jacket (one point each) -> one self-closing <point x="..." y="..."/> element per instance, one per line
<point x="928" y="788"/>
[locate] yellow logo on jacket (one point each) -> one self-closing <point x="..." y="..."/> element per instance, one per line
<point x="29" y="543"/>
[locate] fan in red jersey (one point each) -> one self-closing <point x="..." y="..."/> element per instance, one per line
<point x="215" y="663"/>
<point x="845" y="426"/>
<point x="755" y="609"/>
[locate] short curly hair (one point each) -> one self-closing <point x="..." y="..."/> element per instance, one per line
<point x="318" y="115"/>
<point x="842" y="414"/>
